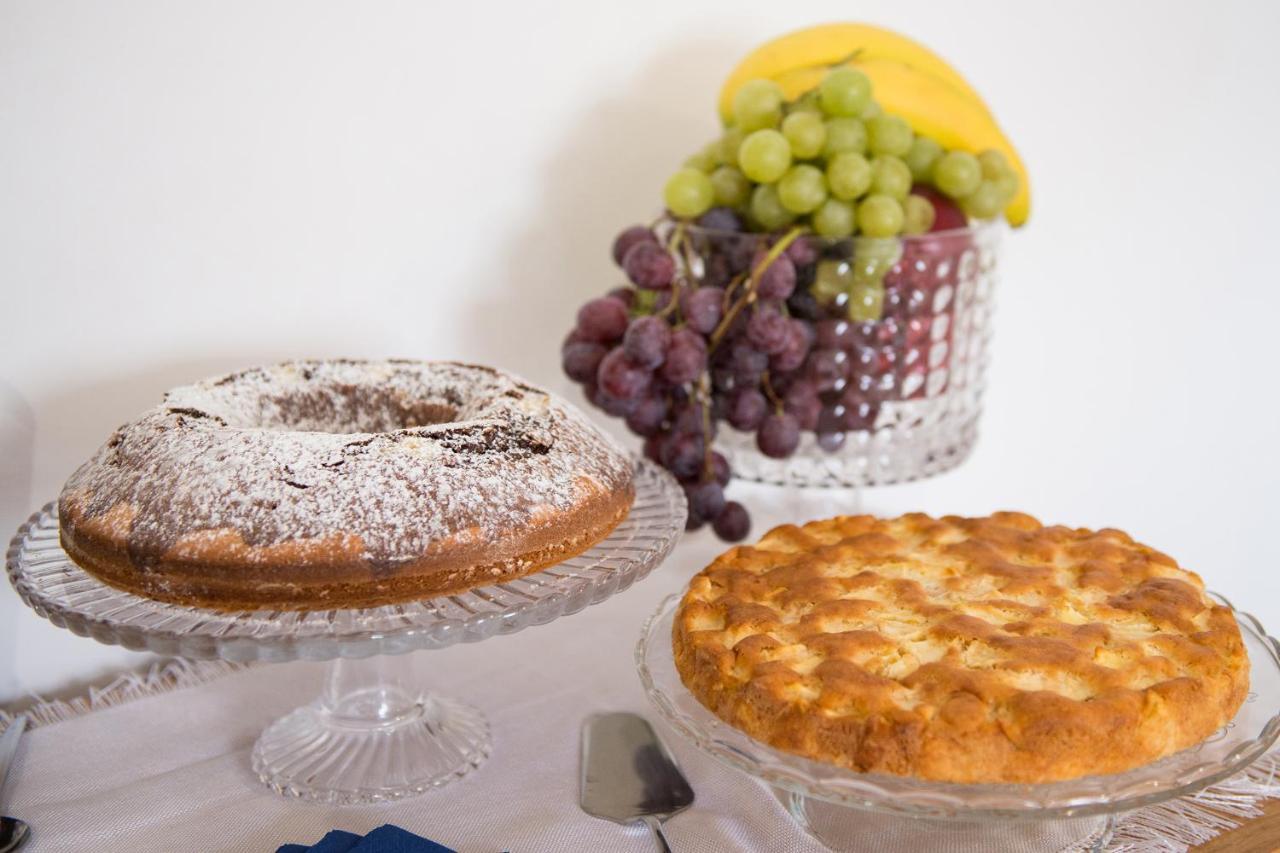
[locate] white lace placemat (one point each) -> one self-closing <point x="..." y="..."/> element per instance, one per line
<point x="160" y="761"/>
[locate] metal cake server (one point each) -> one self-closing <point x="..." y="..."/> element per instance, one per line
<point x="13" y="832"/>
<point x="628" y="775"/>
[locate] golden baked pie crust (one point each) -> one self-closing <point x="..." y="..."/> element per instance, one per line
<point x="989" y="649"/>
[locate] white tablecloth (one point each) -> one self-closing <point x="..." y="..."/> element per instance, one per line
<point x="171" y="772"/>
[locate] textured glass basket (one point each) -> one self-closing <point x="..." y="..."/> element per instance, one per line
<point x="863" y="811"/>
<point x="907" y="393"/>
<point x="375" y="734"/>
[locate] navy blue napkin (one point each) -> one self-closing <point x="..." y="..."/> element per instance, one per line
<point x="384" y="839"/>
<point x="336" y="841"/>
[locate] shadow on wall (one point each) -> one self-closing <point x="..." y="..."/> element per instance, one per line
<point x="607" y="173"/>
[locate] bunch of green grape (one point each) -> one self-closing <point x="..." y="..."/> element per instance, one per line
<point x="834" y="162"/>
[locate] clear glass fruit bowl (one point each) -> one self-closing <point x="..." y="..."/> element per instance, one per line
<point x="903" y="326"/>
<point x="828" y="799"/>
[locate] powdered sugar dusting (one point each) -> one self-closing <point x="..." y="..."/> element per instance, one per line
<point x="406" y="455"/>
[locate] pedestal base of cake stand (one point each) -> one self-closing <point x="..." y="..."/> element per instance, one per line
<point x="851" y="830"/>
<point x="372" y="736"/>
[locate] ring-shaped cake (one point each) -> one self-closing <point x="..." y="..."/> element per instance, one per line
<point x="334" y="484"/>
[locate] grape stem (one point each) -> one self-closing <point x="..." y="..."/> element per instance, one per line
<point x="704" y="398"/>
<point x="679" y="247"/>
<point x="770" y="393"/>
<point x="728" y="307"/>
<point x="672" y="306"/>
<point x="775" y="251"/>
<point x="729" y="289"/>
<point x="687" y="253"/>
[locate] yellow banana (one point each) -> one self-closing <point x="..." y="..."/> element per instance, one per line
<point x="823" y="46"/>
<point x="908" y="81"/>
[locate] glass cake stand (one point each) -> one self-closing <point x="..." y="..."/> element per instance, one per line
<point x="374" y="734"/>
<point x="851" y="811"/>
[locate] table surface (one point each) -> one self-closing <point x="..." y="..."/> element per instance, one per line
<point x="1256" y="836"/>
<point x="164" y="769"/>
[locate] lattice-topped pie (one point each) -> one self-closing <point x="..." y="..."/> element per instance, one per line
<point x="960" y="649"/>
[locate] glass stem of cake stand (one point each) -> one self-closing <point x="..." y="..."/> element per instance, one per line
<point x="845" y="829"/>
<point x="375" y="734"/>
<point x="373" y="691"/>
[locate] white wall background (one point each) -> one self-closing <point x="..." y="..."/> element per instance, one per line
<point x="190" y="188"/>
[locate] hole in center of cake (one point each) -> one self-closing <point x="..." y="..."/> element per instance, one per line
<point x="343" y="409"/>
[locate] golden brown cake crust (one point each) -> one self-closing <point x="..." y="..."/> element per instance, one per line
<point x="988" y="649"/>
<point x="317" y="485"/>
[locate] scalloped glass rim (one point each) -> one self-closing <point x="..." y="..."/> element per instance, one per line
<point x="59" y="590"/>
<point x="997" y="225"/>
<point x="1242" y="741"/>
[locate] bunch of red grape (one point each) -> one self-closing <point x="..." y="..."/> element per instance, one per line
<point x="775" y="334"/>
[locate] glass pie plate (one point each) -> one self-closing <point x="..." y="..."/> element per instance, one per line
<point x="853" y="811"/>
<point x="374" y="734"/>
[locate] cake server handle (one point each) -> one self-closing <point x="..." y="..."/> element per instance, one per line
<point x="655" y="826"/>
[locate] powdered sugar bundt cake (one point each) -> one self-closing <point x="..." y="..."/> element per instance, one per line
<point x="328" y="484"/>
